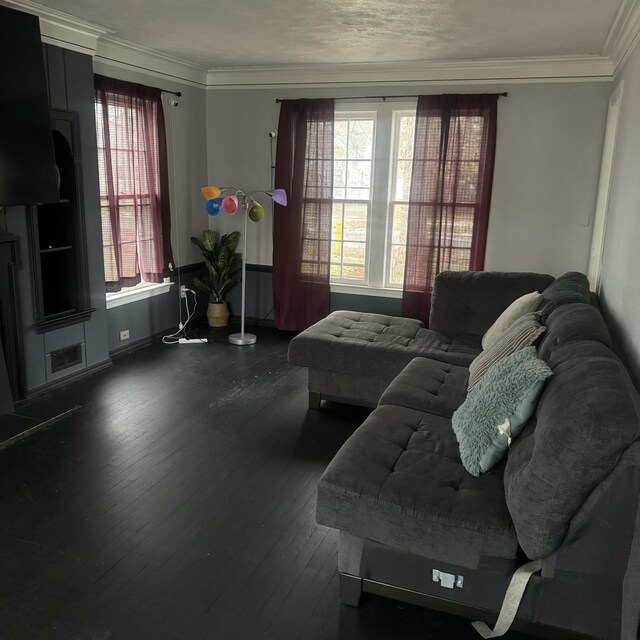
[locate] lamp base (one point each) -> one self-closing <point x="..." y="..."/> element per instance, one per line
<point x="241" y="340"/>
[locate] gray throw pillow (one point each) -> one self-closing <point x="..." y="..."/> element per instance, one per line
<point x="524" y="304"/>
<point x="498" y="408"/>
<point x="522" y="333"/>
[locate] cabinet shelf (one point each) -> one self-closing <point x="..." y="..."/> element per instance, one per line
<point x="55" y="249"/>
<point x="60" y="278"/>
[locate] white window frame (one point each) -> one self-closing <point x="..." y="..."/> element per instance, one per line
<point x="355" y="114"/>
<point x="143" y="290"/>
<point x="393" y="173"/>
<point x="379" y="219"/>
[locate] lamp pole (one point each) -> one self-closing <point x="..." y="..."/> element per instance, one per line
<point x="243" y="338"/>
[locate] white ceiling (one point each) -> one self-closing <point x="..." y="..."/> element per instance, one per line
<point x="258" y="33"/>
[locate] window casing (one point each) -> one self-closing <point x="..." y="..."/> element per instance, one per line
<point x="373" y="148"/>
<point x="134" y="192"/>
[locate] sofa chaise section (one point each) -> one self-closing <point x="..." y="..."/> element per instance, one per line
<point x="352" y="357"/>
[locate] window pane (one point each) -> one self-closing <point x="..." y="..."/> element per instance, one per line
<point x="355" y="221"/>
<point x="336" y="221"/>
<point x="399" y="225"/>
<point x="396" y="276"/>
<point x="353" y="273"/>
<point x="403" y="180"/>
<point x="359" y="174"/>
<point x="336" y="252"/>
<point x="339" y="173"/>
<point x="405" y="137"/>
<point x="361" y="139"/>
<point x="352" y="185"/>
<point x="353" y="253"/>
<point x="341" y="128"/>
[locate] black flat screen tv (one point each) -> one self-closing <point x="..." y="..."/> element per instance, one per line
<point x="27" y="166"/>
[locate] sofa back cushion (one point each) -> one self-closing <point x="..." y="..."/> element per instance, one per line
<point x="587" y="415"/>
<point x="570" y="287"/>
<point x="570" y="323"/>
<point x="469" y="302"/>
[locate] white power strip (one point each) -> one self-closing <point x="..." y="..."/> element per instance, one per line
<point x="192" y="341"/>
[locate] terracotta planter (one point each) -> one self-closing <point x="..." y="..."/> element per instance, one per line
<point x="218" y="314"/>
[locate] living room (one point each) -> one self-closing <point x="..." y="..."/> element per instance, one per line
<point x="169" y="490"/>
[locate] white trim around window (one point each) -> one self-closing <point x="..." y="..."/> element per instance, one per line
<point x="379" y="215"/>
<point x="141" y="291"/>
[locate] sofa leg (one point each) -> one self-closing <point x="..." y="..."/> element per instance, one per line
<point x="350" y="590"/>
<point x="314" y="400"/>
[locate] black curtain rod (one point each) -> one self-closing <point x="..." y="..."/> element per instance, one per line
<point x="504" y="94"/>
<point x="175" y="93"/>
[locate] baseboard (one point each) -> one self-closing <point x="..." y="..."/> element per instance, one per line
<point x="74" y="377"/>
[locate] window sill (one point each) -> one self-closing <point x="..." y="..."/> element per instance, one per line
<point x="138" y="293"/>
<point x="359" y="290"/>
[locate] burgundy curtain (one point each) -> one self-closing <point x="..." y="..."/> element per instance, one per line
<point x="134" y="183"/>
<point x="450" y="196"/>
<point x="302" y="229"/>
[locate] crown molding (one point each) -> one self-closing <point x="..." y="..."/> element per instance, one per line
<point x="564" y="68"/>
<point x="113" y="51"/>
<point x="61" y="29"/>
<point x="624" y="33"/>
<point x="69" y="32"/>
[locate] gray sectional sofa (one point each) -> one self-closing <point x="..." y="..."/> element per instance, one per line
<point x="416" y="526"/>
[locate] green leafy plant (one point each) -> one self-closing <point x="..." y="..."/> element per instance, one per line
<point x="222" y="263"/>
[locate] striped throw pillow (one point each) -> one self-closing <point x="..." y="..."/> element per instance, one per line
<point x="522" y="333"/>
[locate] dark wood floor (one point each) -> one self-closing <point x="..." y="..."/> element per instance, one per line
<point x="179" y="504"/>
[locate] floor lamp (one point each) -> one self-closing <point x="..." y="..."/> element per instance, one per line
<point x="237" y="200"/>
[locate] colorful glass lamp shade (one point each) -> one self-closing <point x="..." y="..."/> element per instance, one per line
<point x="210" y="193"/>
<point x="213" y="206"/>
<point x="279" y="196"/>
<point x="256" y="212"/>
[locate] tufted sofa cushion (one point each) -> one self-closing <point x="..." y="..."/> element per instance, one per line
<point x="586" y="417"/>
<point x="398" y="480"/>
<point x="428" y="385"/>
<point x="362" y="343"/>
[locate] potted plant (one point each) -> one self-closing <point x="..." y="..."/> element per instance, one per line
<point x="222" y="263"/>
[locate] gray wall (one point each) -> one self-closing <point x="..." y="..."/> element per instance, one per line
<point x="187" y="155"/>
<point x="548" y="159"/>
<point x="619" y="290"/>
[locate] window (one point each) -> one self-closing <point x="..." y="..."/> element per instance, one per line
<point x="373" y="151"/>
<point x="134" y="197"/>
<point x="403" y="129"/>
<point x="352" y="194"/>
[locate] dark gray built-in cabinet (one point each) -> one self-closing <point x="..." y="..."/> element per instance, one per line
<point x="61" y="278"/>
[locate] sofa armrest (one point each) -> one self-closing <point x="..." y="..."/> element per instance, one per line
<point x="468" y="302"/>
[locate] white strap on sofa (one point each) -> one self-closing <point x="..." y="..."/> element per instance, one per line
<point x="511" y="602"/>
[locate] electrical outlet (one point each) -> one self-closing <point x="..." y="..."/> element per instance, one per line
<point x="124" y="335"/>
<point x="183" y="291"/>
